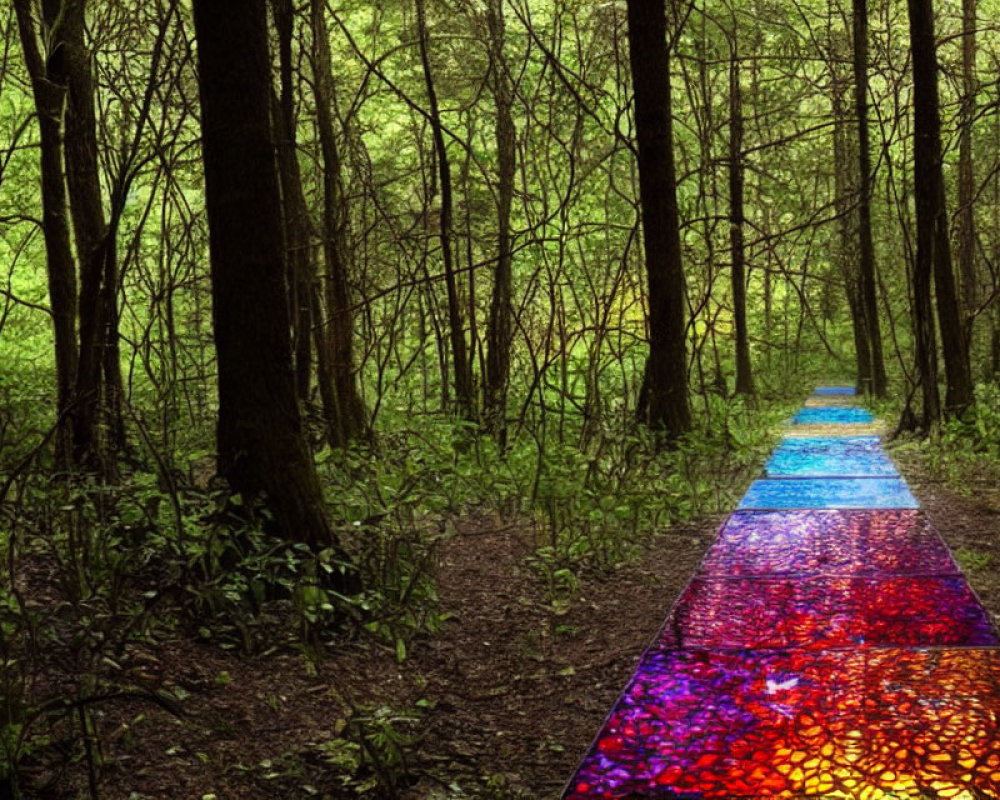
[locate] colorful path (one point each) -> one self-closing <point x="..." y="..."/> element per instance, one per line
<point x="827" y="647"/>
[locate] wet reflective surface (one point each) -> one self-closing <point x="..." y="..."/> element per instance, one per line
<point x="871" y="723"/>
<point x="836" y="456"/>
<point x="829" y="493"/>
<point x="826" y="415"/>
<point x="828" y="648"/>
<point x="823" y="391"/>
<point x="812" y="542"/>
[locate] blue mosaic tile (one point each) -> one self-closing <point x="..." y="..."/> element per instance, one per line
<point x="829" y="493"/>
<point x="818" y="456"/>
<point x="826" y="415"/>
<point x="848" y="391"/>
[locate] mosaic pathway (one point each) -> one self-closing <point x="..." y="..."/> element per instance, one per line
<point x="828" y="647"/>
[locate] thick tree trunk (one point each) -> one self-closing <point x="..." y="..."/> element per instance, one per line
<point x="459" y="354"/>
<point x="498" y="333"/>
<point x="866" y="250"/>
<point x="262" y="451"/>
<point x="50" y="103"/>
<point x="665" y="407"/>
<point x="345" y="413"/>
<point x="933" y="246"/>
<point x="744" y="374"/>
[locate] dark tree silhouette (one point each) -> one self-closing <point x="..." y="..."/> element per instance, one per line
<point x="50" y="105"/>
<point x="499" y="327"/>
<point x="664" y="404"/>
<point x="744" y="373"/>
<point x="867" y="298"/>
<point x="262" y="452"/>
<point x="933" y="246"/>
<point x="346" y="417"/>
<point x="464" y="393"/>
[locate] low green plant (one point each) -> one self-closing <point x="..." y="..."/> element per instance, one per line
<point x="972" y="560"/>
<point x="372" y="749"/>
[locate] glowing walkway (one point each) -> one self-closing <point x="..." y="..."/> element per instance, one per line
<point x="828" y="647"/>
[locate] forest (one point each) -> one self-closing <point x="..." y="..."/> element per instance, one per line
<point x="373" y="375"/>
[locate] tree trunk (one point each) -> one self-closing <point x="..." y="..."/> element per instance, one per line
<point x="966" y="239"/>
<point x="926" y="173"/>
<point x="744" y="374"/>
<point x="346" y="417"/>
<point x="50" y="103"/>
<point x="294" y="210"/>
<point x="498" y="333"/>
<point x="665" y="407"/>
<point x="460" y="357"/>
<point x="866" y="250"/>
<point x="262" y="451"/>
<point x="932" y="220"/>
<point x="845" y="191"/>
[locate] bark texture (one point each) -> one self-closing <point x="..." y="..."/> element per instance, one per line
<point x="933" y="246"/>
<point x="744" y="373"/>
<point x="499" y="326"/>
<point x="346" y="417"/>
<point x="665" y="406"/>
<point x="262" y="451"/>
<point x="867" y="296"/>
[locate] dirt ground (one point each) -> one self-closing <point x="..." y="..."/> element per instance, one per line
<point x="511" y="693"/>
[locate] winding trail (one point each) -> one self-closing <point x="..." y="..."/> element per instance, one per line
<point x="828" y="646"/>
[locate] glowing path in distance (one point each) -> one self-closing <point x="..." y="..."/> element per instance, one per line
<point x="828" y="647"/>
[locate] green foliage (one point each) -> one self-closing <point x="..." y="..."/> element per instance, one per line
<point x="371" y="749"/>
<point x="596" y="508"/>
<point x="966" y="451"/>
<point x="972" y="560"/>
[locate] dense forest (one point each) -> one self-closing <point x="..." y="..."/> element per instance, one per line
<point x="335" y="335"/>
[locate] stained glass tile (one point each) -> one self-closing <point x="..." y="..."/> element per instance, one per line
<point x="839" y="415"/>
<point x="828" y="493"/>
<point x="820" y="429"/>
<point x="830" y="542"/>
<point x="797" y="724"/>
<point x="742" y="613"/>
<point x="719" y="724"/>
<point x="814" y="654"/>
<point x="817" y="400"/>
<point x="835" y="390"/>
<point x="824" y="612"/>
<point x="830" y="456"/>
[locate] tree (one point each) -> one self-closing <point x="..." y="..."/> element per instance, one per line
<point x="966" y="236"/>
<point x="345" y="414"/>
<point x="499" y="326"/>
<point x="296" y="225"/>
<point x="664" y="405"/>
<point x="90" y="382"/>
<point x="744" y="373"/>
<point x="461" y="363"/>
<point x="262" y="452"/>
<point x="866" y="296"/>
<point x="845" y="177"/>
<point x="933" y="247"/>
<point x="50" y="104"/>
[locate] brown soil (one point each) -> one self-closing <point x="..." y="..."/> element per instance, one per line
<point x="513" y="690"/>
<point x="966" y="511"/>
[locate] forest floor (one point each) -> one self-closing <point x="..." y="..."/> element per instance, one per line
<point x="501" y="704"/>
